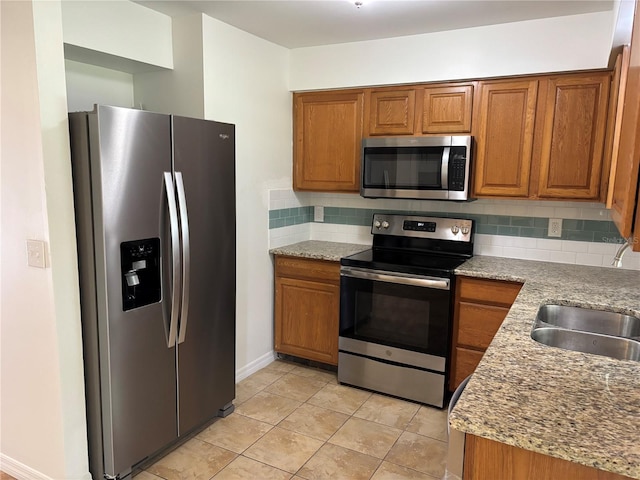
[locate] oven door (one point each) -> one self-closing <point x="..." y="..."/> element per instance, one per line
<point x="405" y="312"/>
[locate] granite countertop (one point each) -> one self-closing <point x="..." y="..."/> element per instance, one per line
<point x="320" y="250"/>
<point x="579" y="407"/>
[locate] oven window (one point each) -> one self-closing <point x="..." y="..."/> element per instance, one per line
<point x="408" y="317"/>
<point x="414" y="168"/>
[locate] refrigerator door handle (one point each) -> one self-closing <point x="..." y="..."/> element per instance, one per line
<point x="186" y="258"/>
<point x="175" y="258"/>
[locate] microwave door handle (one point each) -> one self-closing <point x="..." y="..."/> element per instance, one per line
<point x="444" y="173"/>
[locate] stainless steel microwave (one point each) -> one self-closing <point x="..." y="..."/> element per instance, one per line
<point x="436" y="168"/>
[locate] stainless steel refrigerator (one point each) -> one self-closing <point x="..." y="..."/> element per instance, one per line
<point x="155" y="214"/>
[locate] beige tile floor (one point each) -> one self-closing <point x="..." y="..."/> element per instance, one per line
<point x="297" y="422"/>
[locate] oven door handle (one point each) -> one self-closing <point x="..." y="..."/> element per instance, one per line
<point x="400" y="278"/>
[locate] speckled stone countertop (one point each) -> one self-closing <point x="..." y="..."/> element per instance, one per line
<point x="579" y="407"/>
<point x="320" y="250"/>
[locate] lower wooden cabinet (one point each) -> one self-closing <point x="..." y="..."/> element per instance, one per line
<point x="480" y="307"/>
<point x="489" y="460"/>
<point x="307" y="308"/>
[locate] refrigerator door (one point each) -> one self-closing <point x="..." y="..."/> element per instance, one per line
<point x="204" y="158"/>
<point x="131" y="150"/>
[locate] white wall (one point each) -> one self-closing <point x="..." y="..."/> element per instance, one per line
<point x="535" y="46"/>
<point x="43" y="433"/>
<point x="88" y="85"/>
<point x="245" y="81"/>
<point x="119" y="28"/>
<point x="179" y="91"/>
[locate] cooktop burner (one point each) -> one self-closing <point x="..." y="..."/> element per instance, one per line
<point x="416" y="245"/>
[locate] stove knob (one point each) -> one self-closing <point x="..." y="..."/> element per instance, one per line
<point x="377" y="224"/>
<point x="385" y="224"/>
<point x="465" y="230"/>
<point x="455" y="229"/>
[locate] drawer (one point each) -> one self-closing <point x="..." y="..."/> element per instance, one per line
<point x="482" y="290"/>
<point x="466" y="363"/>
<point x="308" y="268"/>
<point x="477" y="324"/>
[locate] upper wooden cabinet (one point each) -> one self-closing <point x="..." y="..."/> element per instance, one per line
<point x="625" y="188"/>
<point x="446" y="109"/>
<point x="573" y="137"/>
<point x="437" y="109"/>
<point x="542" y="138"/>
<point x="327" y="140"/>
<point x="391" y="112"/>
<point x="504" y="127"/>
<point x="535" y="137"/>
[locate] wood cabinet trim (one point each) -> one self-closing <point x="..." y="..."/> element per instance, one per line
<point x="396" y="116"/>
<point x="429" y="123"/>
<point x="317" y="286"/>
<point x="594" y="119"/>
<point x="486" y="459"/>
<point x="338" y="167"/>
<point x="488" y="91"/>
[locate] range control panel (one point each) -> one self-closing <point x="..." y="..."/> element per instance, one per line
<point x="456" y="229"/>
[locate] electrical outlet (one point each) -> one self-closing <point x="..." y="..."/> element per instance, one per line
<point x="36" y="253"/>
<point x="318" y="213"/>
<point x="555" y="227"/>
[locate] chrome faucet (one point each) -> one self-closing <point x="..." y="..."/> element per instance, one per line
<point x="617" y="260"/>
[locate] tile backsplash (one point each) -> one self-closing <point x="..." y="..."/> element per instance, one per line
<point x="505" y="228"/>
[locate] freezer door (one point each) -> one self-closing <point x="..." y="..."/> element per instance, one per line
<point x="130" y="151"/>
<point x="204" y="156"/>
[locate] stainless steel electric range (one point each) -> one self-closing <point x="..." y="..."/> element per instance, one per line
<point x="396" y="306"/>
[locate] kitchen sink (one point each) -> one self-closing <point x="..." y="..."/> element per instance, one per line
<point x="589" y="320"/>
<point x="586" y="330"/>
<point x="606" y="345"/>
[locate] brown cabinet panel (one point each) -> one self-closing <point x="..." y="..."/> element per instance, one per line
<point x="307" y="312"/>
<point x="626" y="195"/>
<point x="488" y="291"/>
<point x="466" y="362"/>
<point x="505" y="121"/>
<point x="391" y="112"/>
<point x="327" y="140"/>
<point x="309" y="269"/>
<point x="307" y="308"/>
<point x="490" y="460"/>
<point x="480" y="307"/>
<point x="447" y="109"/>
<point x="478" y="324"/>
<point x="573" y="137"/>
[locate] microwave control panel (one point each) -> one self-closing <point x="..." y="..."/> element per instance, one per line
<point x="457" y="167"/>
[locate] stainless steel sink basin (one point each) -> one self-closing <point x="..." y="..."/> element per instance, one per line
<point x="589" y="320"/>
<point x="608" y="346"/>
<point x="586" y="330"/>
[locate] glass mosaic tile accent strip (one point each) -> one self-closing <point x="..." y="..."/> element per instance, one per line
<point x="290" y="216"/>
<point x="514" y="226"/>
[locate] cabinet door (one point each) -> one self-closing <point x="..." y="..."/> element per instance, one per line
<point x="573" y="137"/>
<point x="327" y="141"/>
<point x="447" y="109"/>
<point x="625" y="187"/>
<point x="505" y="121"/>
<point x="391" y="112"/>
<point x="486" y="459"/>
<point x="307" y="319"/>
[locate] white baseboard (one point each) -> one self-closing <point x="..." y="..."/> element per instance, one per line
<point x="256" y="365"/>
<point x="19" y="470"/>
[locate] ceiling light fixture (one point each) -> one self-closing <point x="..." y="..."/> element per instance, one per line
<point x="358" y="3"/>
